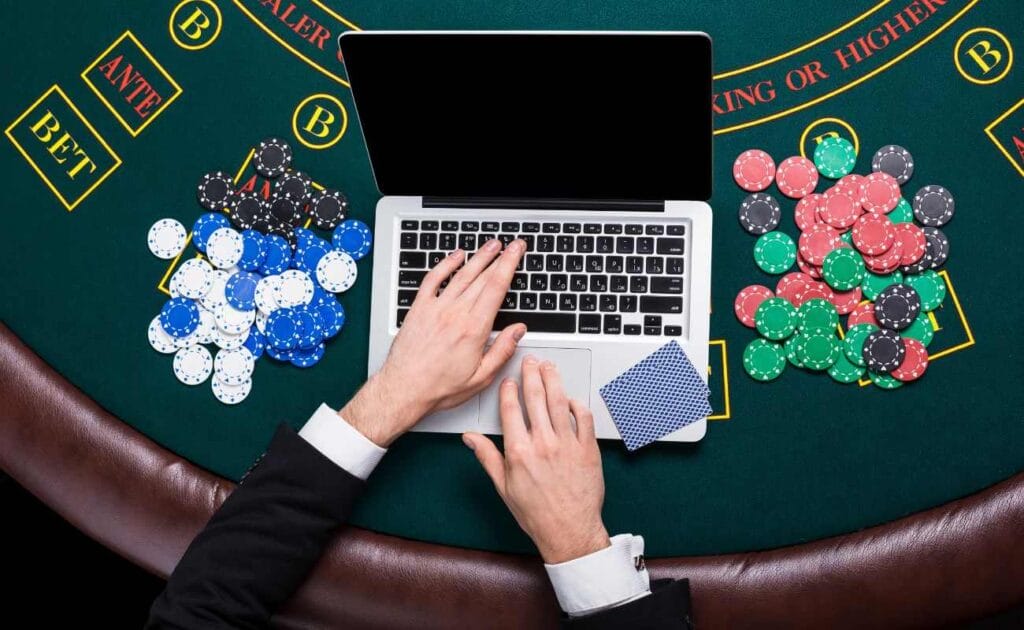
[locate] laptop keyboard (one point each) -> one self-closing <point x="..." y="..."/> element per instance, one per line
<point x="576" y="277"/>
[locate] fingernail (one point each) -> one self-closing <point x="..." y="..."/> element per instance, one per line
<point x="547" y="365"/>
<point x="516" y="246"/>
<point x="518" y="333"/>
<point x="493" y="245"/>
<point x="530" y="360"/>
<point x="454" y="252"/>
<point x="468" y="442"/>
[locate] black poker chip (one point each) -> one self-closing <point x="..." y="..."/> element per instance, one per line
<point x="245" y="209"/>
<point x="272" y="157"/>
<point x="215" y="190"/>
<point x="263" y="225"/>
<point x="285" y="209"/>
<point x="937" y="247"/>
<point x="760" y="213"/>
<point x="933" y="206"/>
<point x="329" y="207"/>
<point x="897" y="306"/>
<point x="884" y="351"/>
<point x="294" y="184"/>
<point x="894" y="160"/>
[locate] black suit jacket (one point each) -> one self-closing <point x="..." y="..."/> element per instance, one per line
<point x="260" y="545"/>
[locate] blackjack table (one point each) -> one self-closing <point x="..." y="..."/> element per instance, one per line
<point x="808" y="502"/>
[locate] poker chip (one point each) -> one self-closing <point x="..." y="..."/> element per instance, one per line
<point x="897" y="306"/>
<point x="282" y="331"/>
<point x="224" y="248"/>
<point x="914" y="364"/>
<point x="234" y="367"/>
<point x="844" y="371"/>
<point x="332" y="316"/>
<point x="245" y="209"/>
<point x="336" y="271"/>
<point x="938" y="248"/>
<point x="753" y="170"/>
<point x="895" y="161"/>
<point x="818" y="350"/>
<point x="834" y="157"/>
<point x="873" y="234"/>
<point x="253" y="253"/>
<point x="759" y="213"/>
<point x="166" y="238"/>
<point x="886" y="262"/>
<point x="192" y="365"/>
<point x="285" y="210"/>
<point x="215" y="296"/>
<point x="843" y="269"/>
<point x="295" y="184"/>
<point x="240" y="290"/>
<point x="179" y="317"/>
<point x="796" y="177"/>
<point x="193" y="279"/>
<point x="272" y="157"/>
<point x="849" y="185"/>
<point x="232" y="320"/>
<point x="791" y="347"/>
<point x="261" y="322"/>
<point x="930" y="287"/>
<point x="817" y="242"/>
<point x="278" y="255"/>
<point x="864" y="313"/>
<point x="806" y="213"/>
<point x="817" y="314"/>
<point x="204" y="333"/>
<point x="263" y="295"/>
<point x="353" y="237"/>
<point x="308" y="256"/>
<point x="791" y="287"/>
<point x="328" y="208"/>
<point x="853" y="343"/>
<point x="819" y="291"/>
<point x="279" y="354"/>
<point x="813" y="271"/>
<point x="873" y="283"/>
<point x="307" y="357"/>
<point x="230" y="394"/>
<point x="883" y="351"/>
<point x="308" y="327"/>
<point x="295" y="288"/>
<point x="159" y="339"/>
<point x="764" y="360"/>
<point x="229" y="341"/>
<point x="879" y="192"/>
<point x="921" y="330"/>
<point x="902" y="213"/>
<point x="884" y="381"/>
<point x="913" y="244"/>
<point x="846" y="301"/>
<point x="255" y="343"/>
<point x="775" y="252"/>
<point x="838" y="209"/>
<point x="215" y="190"/>
<point x="775" y="319"/>
<point x="933" y="206"/>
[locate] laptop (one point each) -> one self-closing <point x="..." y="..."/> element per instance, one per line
<point x="593" y="147"/>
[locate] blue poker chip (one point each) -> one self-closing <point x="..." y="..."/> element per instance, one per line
<point x="278" y="255"/>
<point x="311" y="255"/>
<point x="303" y="236"/>
<point x="253" y="253"/>
<point x="255" y="343"/>
<point x="240" y="290"/>
<point x="310" y="329"/>
<point x="332" y="317"/>
<point x="206" y="225"/>
<point x="319" y="295"/>
<point x="353" y="237"/>
<point x="307" y="357"/>
<point x="282" y="330"/>
<point x="179" y="317"/>
<point x="278" y="354"/>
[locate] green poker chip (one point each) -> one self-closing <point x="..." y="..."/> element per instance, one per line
<point x="845" y="372"/>
<point x="792" y="347"/>
<point x="817" y="314"/>
<point x="847" y="237"/>
<point x="843" y="269"/>
<point x="764" y="360"/>
<point x="872" y="284"/>
<point x="930" y="286"/>
<point x="885" y="381"/>
<point x="853" y="343"/>
<point x="819" y="350"/>
<point x="902" y="213"/>
<point x="776" y="318"/>
<point x="775" y="252"/>
<point x="920" y="329"/>
<point x="835" y="157"/>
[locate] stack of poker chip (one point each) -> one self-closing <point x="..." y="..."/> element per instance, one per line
<point x="250" y="292"/>
<point x="863" y="252"/>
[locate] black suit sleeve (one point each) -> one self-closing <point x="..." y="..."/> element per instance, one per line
<point x="260" y="545"/>
<point x="668" y="606"/>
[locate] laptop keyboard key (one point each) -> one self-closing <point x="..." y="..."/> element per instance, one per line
<point x="633" y="228"/>
<point x="670" y="246"/>
<point x="566" y="243"/>
<point x="588" y="302"/>
<point x="548" y="301"/>
<point x="552" y="228"/>
<point x="645" y="245"/>
<point x="405" y="297"/>
<point x="585" y="244"/>
<point x="612" y="228"/>
<point x="627" y="303"/>
<point x="608" y="303"/>
<point x="530" y="241"/>
<point x="532" y="228"/>
<point x="612" y="324"/>
<point x="538" y="282"/>
<point x="447" y="241"/>
<point x="410" y="225"/>
<point x="598" y="284"/>
<point x="667" y="284"/>
<point x="510" y="301"/>
<point x="434" y="258"/>
<point x="537" y="322"/>
<point x="638" y="284"/>
<point x="673" y="331"/>
<point x="428" y="240"/>
<point x="619" y="284"/>
<point x="450" y="226"/>
<point x="674" y="266"/>
<point x="567" y="302"/>
<point x="402" y="312"/>
<point x="624" y="245"/>
<point x="559" y="282"/>
<point x="410" y="279"/>
<point x="407" y="241"/>
<point x="545" y="243"/>
<point x="660" y="304"/>
<point x="528" y="301"/>
<point x="655" y="265"/>
<point x="632" y="329"/>
<point x="554" y="262"/>
<point x="578" y="283"/>
<point x="412" y="260"/>
<point x="506" y="239"/>
<point x="634" y="264"/>
<point x="431" y="226"/>
<point x="655" y="229"/>
<point x="509" y="226"/>
<point x="591" y="228"/>
<point x="534" y="262"/>
<point x="595" y="264"/>
<point x="470" y="226"/>
<point x="572" y="228"/>
<point x="520" y="282"/>
<point x="574" y="263"/>
<point x="590" y="324"/>
<point x="676" y="230"/>
<point x="489" y="226"/>
<point x="613" y="264"/>
<point x="605" y="244"/>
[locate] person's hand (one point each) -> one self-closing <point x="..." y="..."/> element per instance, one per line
<point x="439" y="359"/>
<point x="550" y="476"/>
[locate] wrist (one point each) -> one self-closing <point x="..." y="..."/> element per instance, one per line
<point x="576" y="546"/>
<point x="379" y="412"/>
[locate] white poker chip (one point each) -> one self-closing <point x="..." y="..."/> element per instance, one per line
<point x="261" y="321"/>
<point x="234" y="367"/>
<point x="232" y="320"/>
<point x="207" y="324"/>
<point x="294" y="289"/>
<point x="230" y="394"/>
<point x="336" y="271"/>
<point x="159" y="339"/>
<point x="224" y="248"/>
<point x="264" y="294"/>
<point x="167" y="238"/>
<point x="193" y="279"/>
<point x="228" y="341"/>
<point x="191" y="339"/>
<point x="193" y="365"/>
<point x="215" y="296"/>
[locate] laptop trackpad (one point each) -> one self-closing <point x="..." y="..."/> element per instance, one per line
<point x="573" y="365"/>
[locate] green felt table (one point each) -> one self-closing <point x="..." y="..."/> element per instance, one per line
<point x="794" y="460"/>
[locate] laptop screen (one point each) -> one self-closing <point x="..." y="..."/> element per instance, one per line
<point x="535" y="115"/>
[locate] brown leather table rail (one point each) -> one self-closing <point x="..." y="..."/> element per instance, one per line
<point x="955" y="562"/>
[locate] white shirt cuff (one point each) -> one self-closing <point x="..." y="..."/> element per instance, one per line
<point x="604" y="579"/>
<point x="341" y="443"/>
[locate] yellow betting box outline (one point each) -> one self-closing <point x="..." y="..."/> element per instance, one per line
<point x="134" y="132"/>
<point x="992" y="125"/>
<point x="69" y="206"/>
<point x="725" y="415"/>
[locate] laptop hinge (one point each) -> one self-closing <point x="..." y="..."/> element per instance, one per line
<point x="520" y="203"/>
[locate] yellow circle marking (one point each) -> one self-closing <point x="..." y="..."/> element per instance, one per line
<point x="991" y="31"/>
<point x="204" y="44"/>
<point x="332" y="141"/>
<point x="842" y="123"/>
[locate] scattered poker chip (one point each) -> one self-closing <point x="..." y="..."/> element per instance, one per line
<point x="205" y="226"/>
<point x="776" y="319"/>
<point x="834" y="157"/>
<point x="818" y="349"/>
<point x="179" y="317"/>
<point x="279" y="354"/>
<point x="853" y="342"/>
<point x="902" y="213"/>
<point x="215" y="296"/>
<point x="295" y="184"/>
<point x="884" y="381"/>
<point x="846" y="301"/>
<point x="838" y="209"/>
<point x="215" y="190"/>
<point x="748" y="300"/>
<point x="192" y="365"/>
<point x="332" y="316"/>
<point x="245" y="209"/>
<point x="261" y="323"/>
<point x="753" y="170"/>
<point x="234" y="367"/>
<point x="817" y="242"/>
<point x="328" y="208"/>
<point x="353" y="237"/>
<point x="159" y="339"/>
<point x="282" y="331"/>
<point x="873" y="234"/>
<point x="285" y="210"/>
<point x="230" y="394"/>
<point x="883" y="351"/>
<point x="817" y="314"/>
<point x="806" y="213"/>
<point x="278" y="255"/>
<point x="308" y="327"/>
<point x="879" y="192"/>
<point x="913" y="244"/>
<point x="914" y="364"/>
<point x="307" y="357"/>
<point x="843" y="269"/>
<point x="764" y="360"/>
<point x="229" y="341"/>
<point x="253" y="253"/>
<point x="166" y="238"/>
<point x="873" y="283"/>
<point x="308" y="256"/>
<point x="845" y="371"/>
<point x="863" y="314"/>
<point x="933" y="206"/>
<point x="263" y="296"/>
<point x="240" y="290"/>
<point x="814" y="271"/>
<point x="796" y="177"/>
<point x="224" y="248"/>
<point x="895" y="161"/>
<point x="791" y="348"/>
<point x="193" y="279"/>
<point x="791" y="287"/>
<point x="819" y="291"/>
<point x="849" y="185"/>
<point x="255" y="343"/>
<point x="938" y="247"/>
<point x="775" y="252"/>
<point x="204" y="334"/>
<point x="886" y="262"/>
<point x="759" y="213"/>
<point x="336" y="271"/>
<point x="897" y="306"/>
<point x="920" y="330"/>
<point x="232" y="320"/>
<point x="930" y="287"/>
<point x="295" y="288"/>
<point x="272" y="157"/>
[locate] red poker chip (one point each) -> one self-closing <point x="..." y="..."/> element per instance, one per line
<point x="792" y="286"/>
<point x="754" y="170"/>
<point x="846" y="301"/>
<point x="886" y="262"/>
<point x="796" y="177"/>
<point x="915" y="361"/>
<point x="913" y="243"/>
<point x="818" y="290"/>
<point x="879" y="192"/>
<point x="817" y="242"/>
<point x="747" y="302"/>
<point x="850" y="185"/>
<point x="863" y="313"/>
<point x="874" y="234"/>
<point x="839" y="210"/>
<point x="806" y="213"/>
<point x="814" y="271"/>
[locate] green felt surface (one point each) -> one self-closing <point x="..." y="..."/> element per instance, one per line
<point x="799" y="458"/>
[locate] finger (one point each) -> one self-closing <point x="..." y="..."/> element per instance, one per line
<point x="584" y="421"/>
<point x="535" y="398"/>
<point x="490" y="458"/>
<point x="557" y="401"/>
<point x="513" y="426"/>
<point x="432" y="281"/>
<point x="473" y="268"/>
<point x="499" y="353"/>
<point x="488" y="291"/>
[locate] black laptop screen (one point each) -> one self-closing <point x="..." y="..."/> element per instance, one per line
<point x="564" y="116"/>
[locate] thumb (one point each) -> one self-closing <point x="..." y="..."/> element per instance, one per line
<point x="489" y="457"/>
<point x="500" y="352"/>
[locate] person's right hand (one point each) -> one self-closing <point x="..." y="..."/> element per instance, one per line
<point x="550" y="477"/>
